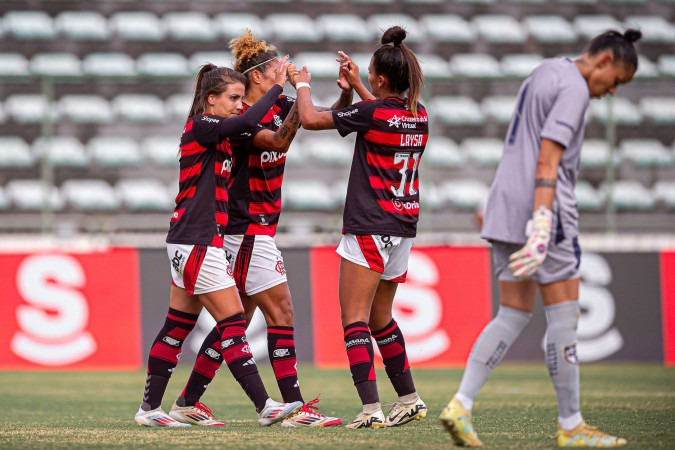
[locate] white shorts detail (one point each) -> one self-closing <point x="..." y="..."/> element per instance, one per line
<point x="199" y="269"/>
<point x="387" y="255"/>
<point x="256" y="261"/>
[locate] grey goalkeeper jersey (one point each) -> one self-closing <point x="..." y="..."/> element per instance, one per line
<point x="551" y="104"/>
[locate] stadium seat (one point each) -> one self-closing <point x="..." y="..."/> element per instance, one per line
<point x="327" y="149"/>
<point x="549" y="29"/>
<point x="56" y="64"/>
<point x="431" y="197"/>
<point x="29" y="25"/>
<point x="82" y="25"/>
<point x="624" y="112"/>
<point x="499" y="108"/>
<point x="161" y="150"/>
<point x="29" y="195"/>
<point x="89" y="195"/>
<point x="447" y="28"/>
<point x="374" y="2"/>
<point x="292" y="27"/>
<point x="82" y="108"/>
<point x="433" y="66"/>
<point x="108" y="64"/>
<point x="144" y="194"/>
<point x="380" y="22"/>
<point x="477" y="2"/>
<point x="224" y="25"/>
<point x="498" y="29"/>
<point x="27" y="108"/>
<point x="475" y="65"/>
<point x="308" y="195"/>
<point x="189" y="26"/>
<point x="137" y="26"/>
<point x="442" y="152"/>
<point x="629" y="195"/>
<point x="343" y="27"/>
<point x="460" y="110"/>
<point x="589" y="26"/>
<point x="587" y="198"/>
<point x="595" y="154"/>
<point x="64" y="151"/>
<point x="646" y="153"/>
<point x="13" y="64"/>
<point x="654" y="28"/>
<point x="664" y="192"/>
<point x="660" y="110"/>
<point x="4" y="200"/>
<point x="198" y="59"/>
<point x="142" y="108"/>
<point x="114" y="151"/>
<point x="320" y="64"/>
<point x="178" y="105"/>
<point x="164" y="64"/>
<point x="485" y="152"/>
<point x="15" y="152"/>
<point x="646" y="68"/>
<point x="520" y="65"/>
<point x="3" y="114"/>
<point x="464" y="194"/>
<point x="667" y="65"/>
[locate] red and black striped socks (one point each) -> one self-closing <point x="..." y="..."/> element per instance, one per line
<point x="237" y="354"/>
<point x="164" y="355"/>
<point x="209" y="360"/>
<point x="281" y="349"/>
<point x="392" y="347"/>
<point x="361" y="361"/>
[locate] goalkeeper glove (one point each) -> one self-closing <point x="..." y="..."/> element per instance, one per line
<point x="527" y="260"/>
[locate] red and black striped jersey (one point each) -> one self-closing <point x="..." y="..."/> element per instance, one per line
<point x="383" y="190"/>
<point x="257" y="175"/>
<point x="200" y="215"/>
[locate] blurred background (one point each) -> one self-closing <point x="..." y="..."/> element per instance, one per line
<point x="94" y="95"/>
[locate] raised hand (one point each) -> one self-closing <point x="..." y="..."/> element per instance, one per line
<point x="292" y="72"/>
<point x="303" y="76"/>
<point x="349" y="71"/>
<point x="281" y="71"/>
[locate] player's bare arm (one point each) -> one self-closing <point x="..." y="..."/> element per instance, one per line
<point x="310" y="118"/>
<point x="280" y="140"/>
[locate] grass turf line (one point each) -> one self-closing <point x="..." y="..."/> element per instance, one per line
<point x="516" y="409"/>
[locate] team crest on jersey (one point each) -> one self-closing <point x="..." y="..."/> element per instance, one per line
<point x="279" y="267"/>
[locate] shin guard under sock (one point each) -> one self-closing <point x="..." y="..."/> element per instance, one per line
<point x="392" y="347"/>
<point x="361" y="361"/>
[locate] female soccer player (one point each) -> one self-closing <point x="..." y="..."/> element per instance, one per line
<point x="201" y="276"/>
<point x="380" y="217"/>
<point x="536" y="179"/>
<point x="254" y="207"/>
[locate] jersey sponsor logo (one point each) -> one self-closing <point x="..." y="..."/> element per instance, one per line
<point x="211" y="353"/>
<point x="279" y="267"/>
<point x="266" y="157"/>
<point x="395" y="121"/>
<point x="403" y="122"/>
<point x="412" y="140"/>
<point x="281" y="352"/>
<point x="407" y="206"/>
<point x="171" y="341"/>
<point x="354" y="342"/>
<point x="210" y="119"/>
<point x="177" y="261"/>
<point x="348" y="113"/>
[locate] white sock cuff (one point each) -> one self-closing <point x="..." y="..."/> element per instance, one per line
<point x="371" y="407"/>
<point x="571" y="422"/>
<point x="466" y="402"/>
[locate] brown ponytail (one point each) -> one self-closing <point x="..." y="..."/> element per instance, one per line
<point x="212" y="79"/>
<point x="400" y="65"/>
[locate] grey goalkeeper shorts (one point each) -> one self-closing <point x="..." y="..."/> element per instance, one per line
<point x="561" y="263"/>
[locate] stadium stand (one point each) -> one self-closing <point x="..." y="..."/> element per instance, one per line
<point x="115" y="80"/>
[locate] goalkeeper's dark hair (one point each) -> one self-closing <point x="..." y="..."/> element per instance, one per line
<point x="212" y="79"/>
<point x="399" y="64"/>
<point x="621" y="45"/>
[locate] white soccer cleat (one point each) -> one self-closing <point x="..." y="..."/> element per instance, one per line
<point x="276" y="412"/>
<point x="365" y="420"/>
<point x="402" y="413"/>
<point x="199" y="414"/>
<point x="310" y="417"/>
<point x="156" y="418"/>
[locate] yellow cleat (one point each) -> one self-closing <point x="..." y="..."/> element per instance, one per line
<point x="585" y="435"/>
<point x="457" y="421"/>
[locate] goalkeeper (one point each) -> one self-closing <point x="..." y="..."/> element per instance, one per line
<point x="531" y="219"/>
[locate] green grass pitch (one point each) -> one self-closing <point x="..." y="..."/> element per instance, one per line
<point x="516" y="409"/>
